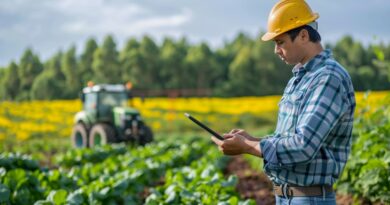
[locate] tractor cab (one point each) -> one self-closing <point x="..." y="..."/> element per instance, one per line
<point x="99" y="100"/>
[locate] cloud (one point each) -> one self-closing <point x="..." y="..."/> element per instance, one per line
<point x="125" y="19"/>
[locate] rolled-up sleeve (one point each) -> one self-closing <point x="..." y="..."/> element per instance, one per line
<point x="321" y="109"/>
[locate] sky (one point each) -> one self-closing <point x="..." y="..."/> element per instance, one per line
<point x="48" y="26"/>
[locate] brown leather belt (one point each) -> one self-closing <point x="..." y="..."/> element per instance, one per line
<point x="291" y="191"/>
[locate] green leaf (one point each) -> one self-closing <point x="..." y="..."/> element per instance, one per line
<point x="379" y="53"/>
<point x="105" y="191"/>
<point x="248" y="202"/>
<point x="4" y="193"/>
<point x="15" y="178"/>
<point x="3" y="171"/>
<point x="43" y="202"/>
<point x="373" y="164"/>
<point x="233" y="200"/>
<point x="75" y="198"/>
<point x="22" y="196"/>
<point x="120" y="186"/>
<point x="232" y="181"/>
<point x="172" y="197"/>
<point x="58" y="196"/>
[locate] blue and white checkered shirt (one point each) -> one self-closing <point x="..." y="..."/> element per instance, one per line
<point x="312" y="140"/>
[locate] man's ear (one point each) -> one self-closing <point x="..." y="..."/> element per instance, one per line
<point x="304" y="35"/>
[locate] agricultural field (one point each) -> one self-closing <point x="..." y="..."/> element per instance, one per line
<point x="38" y="164"/>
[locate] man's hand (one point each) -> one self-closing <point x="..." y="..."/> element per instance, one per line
<point x="244" y="134"/>
<point x="235" y="144"/>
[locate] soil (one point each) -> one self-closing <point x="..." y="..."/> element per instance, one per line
<point x="252" y="184"/>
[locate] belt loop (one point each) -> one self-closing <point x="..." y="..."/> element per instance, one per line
<point x="323" y="192"/>
<point x="285" y="190"/>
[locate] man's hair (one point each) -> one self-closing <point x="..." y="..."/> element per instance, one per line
<point x="314" y="36"/>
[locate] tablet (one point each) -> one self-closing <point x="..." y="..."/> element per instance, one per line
<point x="204" y="126"/>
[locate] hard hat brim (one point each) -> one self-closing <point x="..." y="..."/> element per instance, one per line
<point x="271" y="35"/>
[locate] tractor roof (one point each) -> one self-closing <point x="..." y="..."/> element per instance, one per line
<point x="105" y="88"/>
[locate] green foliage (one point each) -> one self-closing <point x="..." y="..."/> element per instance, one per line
<point x="46" y="87"/>
<point x="367" y="72"/>
<point x="242" y="67"/>
<point x="11" y="82"/>
<point x="120" y="174"/>
<point x="200" y="183"/>
<point x="86" y="60"/>
<point x="129" y="59"/>
<point x="367" y="171"/>
<point x="173" y="71"/>
<point x="52" y="80"/>
<point x="106" y="63"/>
<point x="69" y="67"/>
<point x="29" y="68"/>
<point x="147" y="68"/>
<point x="10" y="161"/>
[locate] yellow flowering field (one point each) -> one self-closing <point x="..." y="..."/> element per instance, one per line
<point x="25" y="120"/>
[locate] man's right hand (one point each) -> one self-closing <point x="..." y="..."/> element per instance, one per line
<point x="244" y="134"/>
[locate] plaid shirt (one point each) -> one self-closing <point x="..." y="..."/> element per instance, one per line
<point x="312" y="140"/>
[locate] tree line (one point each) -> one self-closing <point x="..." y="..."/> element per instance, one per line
<point x="244" y="66"/>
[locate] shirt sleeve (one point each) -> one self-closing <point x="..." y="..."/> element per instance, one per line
<point x="323" y="107"/>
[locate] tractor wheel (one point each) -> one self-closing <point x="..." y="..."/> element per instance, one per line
<point x="101" y="134"/>
<point x="79" y="136"/>
<point x="147" y="136"/>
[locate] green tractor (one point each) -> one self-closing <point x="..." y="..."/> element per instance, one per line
<point x="107" y="118"/>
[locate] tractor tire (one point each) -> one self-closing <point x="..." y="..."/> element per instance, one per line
<point x="147" y="136"/>
<point x="101" y="134"/>
<point x="79" y="136"/>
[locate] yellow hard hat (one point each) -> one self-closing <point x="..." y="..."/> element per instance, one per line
<point x="287" y="15"/>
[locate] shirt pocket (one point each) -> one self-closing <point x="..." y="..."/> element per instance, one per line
<point x="291" y="102"/>
<point x="289" y="108"/>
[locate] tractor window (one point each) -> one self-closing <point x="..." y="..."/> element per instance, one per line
<point x="90" y="101"/>
<point x="113" y="99"/>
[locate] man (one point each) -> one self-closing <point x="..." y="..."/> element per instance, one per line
<point x="309" y="148"/>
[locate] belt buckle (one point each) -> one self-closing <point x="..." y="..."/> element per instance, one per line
<point x="286" y="191"/>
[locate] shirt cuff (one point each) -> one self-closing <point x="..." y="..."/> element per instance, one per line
<point x="268" y="149"/>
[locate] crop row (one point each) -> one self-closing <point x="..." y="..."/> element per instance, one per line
<point x="114" y="175"/>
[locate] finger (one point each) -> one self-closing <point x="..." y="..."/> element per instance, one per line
<point x="233" y="131"/>
<point x="216" y="141"/>
<point x="227" y="136"/>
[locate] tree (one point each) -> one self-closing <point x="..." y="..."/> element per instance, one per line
<point x="244" y="78"/>
<point x="86" y="61"/>
<point x="50" y="84"/>
<point x="2" y="87"/>
<point x="106" y="62"/>
<point x="30" y="67"/>
<point x="172" y="69"/>
<point x="273" y="73"/>
<point x="202" y="67"/>
<point x="69" y="68"/>
<point x="11" y="82"/>
<point x="129" y="60"/>
<point x="147" y="73"/>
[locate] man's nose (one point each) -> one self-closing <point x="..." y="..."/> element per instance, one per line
<point x="277" y="49"/>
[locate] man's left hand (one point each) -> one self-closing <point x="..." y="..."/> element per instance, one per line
<point x="234" y="144"/>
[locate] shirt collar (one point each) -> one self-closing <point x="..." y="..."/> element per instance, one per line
<point x="311" y="65"/>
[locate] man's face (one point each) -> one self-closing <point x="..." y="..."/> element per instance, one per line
<point x="289" y="51"/>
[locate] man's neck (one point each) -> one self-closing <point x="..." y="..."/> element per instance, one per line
<point x="312" y="50"/>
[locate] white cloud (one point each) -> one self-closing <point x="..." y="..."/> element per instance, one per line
<point x="98" y="16"/>
<point x="161" y="22"/>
